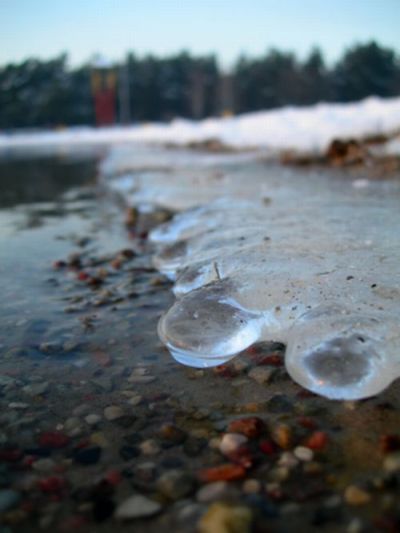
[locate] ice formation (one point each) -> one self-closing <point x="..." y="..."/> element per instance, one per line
<point x="272" y="254"/>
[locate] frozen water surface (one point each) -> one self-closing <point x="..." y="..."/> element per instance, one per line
<point x="262" y="253"/>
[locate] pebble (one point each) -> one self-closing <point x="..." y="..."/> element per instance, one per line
<point x="392" y="462"/>
<point x="18" y="405"/>
<point x="136" y="506"/>
<point x="135" y="400"/>
<point x="226" y="472"/>
<point x="288" y="459"/>
<point x="8" y="499"/>
<point x="224" y="518"/>
<point x="51" y="348"/>
<point x="354" y="495"/>
<point x="251" y="486"/>
<point x="303" y="453"/>
<point x="282" y="435"/>
<point x="36" y="389"/>
<point x="150" y="447"/>
<point x="88" y="456"/>
<point x="212" y="491"/>
<point x="92" y="419"/>
<point x="175" y="484"/>
<point x="261" y="374"/>
<point x="231" y="442"/>
<point x="44" y="465"/>
<point x="251" y="427"/>
<point x="113" y="412"/>
<point x="172" y="434"/>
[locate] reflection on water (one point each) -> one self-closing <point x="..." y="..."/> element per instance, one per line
<point x="42" y="179"/>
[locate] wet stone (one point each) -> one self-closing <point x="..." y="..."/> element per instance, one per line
<point x="354" y="495"/>
<point x="113" y="412"/>
<point x="8" y="499"/>
<point x="223" y="518"/>
<point x="175" y="484"/>
<point x="88" y="456"/>
<point x="137" y="506"/>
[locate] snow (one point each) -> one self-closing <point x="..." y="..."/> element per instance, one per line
<point x="306" y="129"/>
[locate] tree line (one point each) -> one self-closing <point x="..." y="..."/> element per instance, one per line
<point x="38" y="93"/>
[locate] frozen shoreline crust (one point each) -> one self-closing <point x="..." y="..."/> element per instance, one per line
<point x="304" y="260"/>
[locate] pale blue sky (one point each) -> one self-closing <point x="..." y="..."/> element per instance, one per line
<point x="44" y="28"/>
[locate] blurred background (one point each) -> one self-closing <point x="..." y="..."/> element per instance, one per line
<point x="102" y="62"/>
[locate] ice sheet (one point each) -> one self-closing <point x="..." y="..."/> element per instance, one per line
<point x="265" y="253"/>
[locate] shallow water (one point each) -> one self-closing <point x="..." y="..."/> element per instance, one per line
<point x="307" y="258"/>
<point x="70" y="350"/>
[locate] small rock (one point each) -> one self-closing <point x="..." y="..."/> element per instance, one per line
<point x="172" y="434"/>
<point x="317" y="441"/>
<point x="175" y="484"/>
<point x="136" y="506"/>
<point x="251" y="486"/>
<point x="36" y="389"/>
<point x="113" y="412"/>
<point x="51" y="348"/>
<point x="212" y="491"/>
<point x="392" y="462"/>
<point x="8" y="499"/>
<point x="251" y="427"/>
<point x="261" y="374"/>
<point x="226" y="472"/>
<point x="88" y="456"/>
<point x="135" y="400"/>
<point x="223" y="518"/>
<point x="44" y="465"/>
<point x="288" y="459"/>
<point x="150" y="447"/>
<point x="231" y="442"/>
<point x="282" y="435"/>
<point x="193" y="446"/>
<point x="303" y="453"/>
<point x="53" y="439"/>
<point x="354" y="495"/>
<point x="92" y="419"/>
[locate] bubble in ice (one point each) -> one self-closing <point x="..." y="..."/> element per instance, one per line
<point x="297" y="257"/>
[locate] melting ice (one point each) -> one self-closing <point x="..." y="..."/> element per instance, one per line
<point x="303" y="258"/>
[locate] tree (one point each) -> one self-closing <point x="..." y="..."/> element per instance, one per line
<point x="366" y="70"/>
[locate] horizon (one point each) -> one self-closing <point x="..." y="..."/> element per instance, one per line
<point x="168" y="27"/>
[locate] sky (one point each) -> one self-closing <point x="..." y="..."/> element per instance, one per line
<point x="46" y="28"/>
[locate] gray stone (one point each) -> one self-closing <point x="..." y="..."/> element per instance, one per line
<point x="137" y="506"/>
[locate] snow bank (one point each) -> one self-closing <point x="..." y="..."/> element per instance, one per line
<point x="307" y="129"/>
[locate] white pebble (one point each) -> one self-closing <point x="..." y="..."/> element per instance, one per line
<point x="231" y="442"/>
<point x="303" y="453"/>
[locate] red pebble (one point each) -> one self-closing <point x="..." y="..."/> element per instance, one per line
<point x="306" y="422"/>
<point x="389" y="443"/>
<point x="271" y="360"/>
<point x="113" y="477"/>
<point x="53" y="439"/>
<point x="10" y="455"/>
<point x="268" y="447"/>
<point x="242" y="456"/>
<point x="227" y="472"/>
<point x="225" y="371"/>
<point x="317" y="441"/>
<point x="52" y="484"/>
<point x="251" y="426"/>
